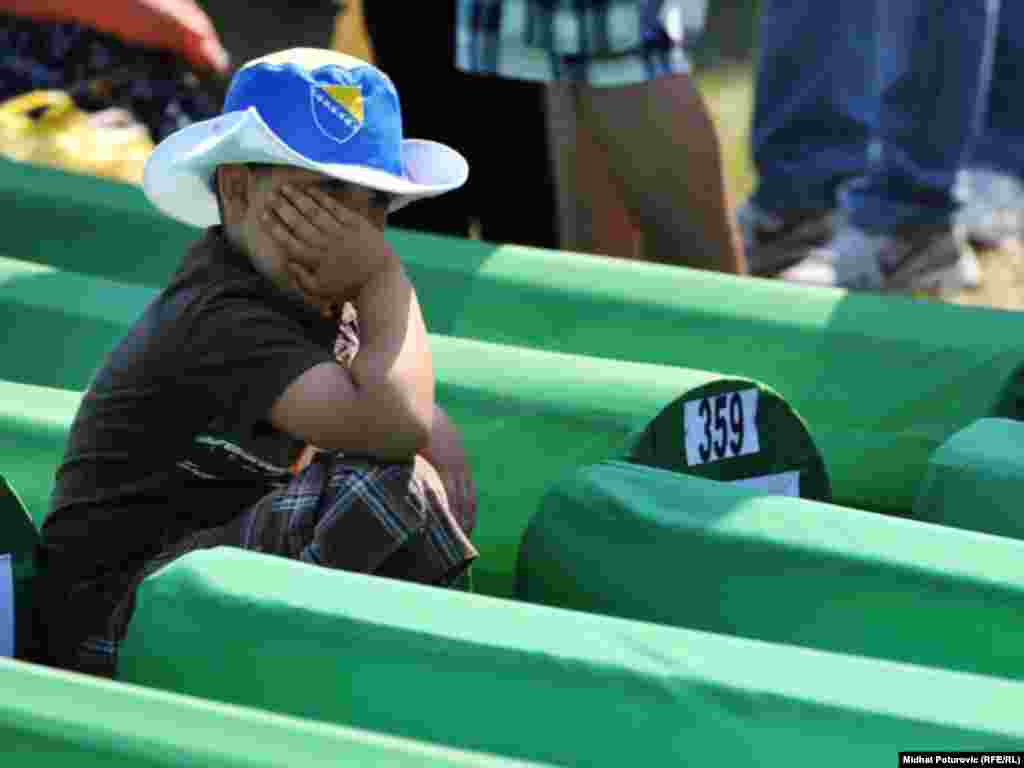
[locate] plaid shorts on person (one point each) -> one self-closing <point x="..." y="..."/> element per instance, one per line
<point x="389" y="520"/>
<point x="602" y="43"/>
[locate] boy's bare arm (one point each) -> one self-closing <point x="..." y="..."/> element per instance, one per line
<point x="383" y="405"/>
<point x="447" y="454"/>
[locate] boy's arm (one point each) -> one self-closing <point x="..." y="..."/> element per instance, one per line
<point x="447" y="454"/>
<point x="383" y="406"/>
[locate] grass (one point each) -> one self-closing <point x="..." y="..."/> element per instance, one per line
<point x="729" y="92"/>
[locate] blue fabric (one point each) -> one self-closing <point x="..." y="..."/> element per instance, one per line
<point x="1001" y="147"/>
<point x="815" y="101"/>
<point x="913" y="76"/>
<point x="297" y="105"/>
<point x="936" y="68"/>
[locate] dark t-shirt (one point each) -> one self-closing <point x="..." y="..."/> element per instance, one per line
<point x="172" y="434"/>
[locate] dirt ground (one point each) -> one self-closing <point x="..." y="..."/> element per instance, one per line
<point x="1002" y="279"/>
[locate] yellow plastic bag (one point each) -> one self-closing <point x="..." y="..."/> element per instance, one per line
<point x="46" y="127"/>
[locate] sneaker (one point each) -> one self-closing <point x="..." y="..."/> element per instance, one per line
<point x="992" y="228"/>
<point x="994" y="211"/>
<point x="774" y="242"/>
<point x="936" y="260"/>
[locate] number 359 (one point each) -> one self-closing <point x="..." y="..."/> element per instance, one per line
<point x="724" y="426"/>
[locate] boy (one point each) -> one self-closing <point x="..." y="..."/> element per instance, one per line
<point x="186" y="436"/>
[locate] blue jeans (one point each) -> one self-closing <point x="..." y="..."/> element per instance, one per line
<point x="996" y="170"/>
<point x="911" y="76"/>
<point x="1001" y="145"/>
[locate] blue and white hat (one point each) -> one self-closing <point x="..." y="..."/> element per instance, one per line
<point x="309" y="108"/>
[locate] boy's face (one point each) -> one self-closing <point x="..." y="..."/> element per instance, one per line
<point x="247" y="193"/>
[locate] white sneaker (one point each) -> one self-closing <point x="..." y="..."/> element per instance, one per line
<point x="994" y="211"/>
<point x="932" y="259"/>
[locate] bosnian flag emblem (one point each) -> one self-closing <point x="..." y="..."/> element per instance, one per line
<point x="338" y="110"/>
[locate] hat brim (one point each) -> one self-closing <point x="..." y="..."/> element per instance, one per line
<point x="178" y="174"/>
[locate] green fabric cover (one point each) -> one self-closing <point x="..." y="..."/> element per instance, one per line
<point x="53" y="719"/>
<point x="975" y="480"/>
<point x="87" y="224"/>
<point x="527" y="416"/>
<point x="34" y="424"/>
<point x="533" y="682"/>
<point x="882" y="380"/>
<point x="577" y="420"/>
<point x="18" y="539"/>
<point x="658" y="546"/>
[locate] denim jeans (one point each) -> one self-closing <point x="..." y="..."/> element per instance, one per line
<point x="815" y="101"/>
<point x="995" y="176"/>
<point x="1001" y="145"/>
<point x="872" y="106"/>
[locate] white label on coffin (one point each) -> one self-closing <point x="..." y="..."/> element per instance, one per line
<point x="6" y="606"/>
<point x="721" y="427"/>
<point x="782" y="484"/>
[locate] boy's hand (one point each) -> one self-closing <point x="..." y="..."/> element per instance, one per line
<point x="332" y="251"/>
<point x="447" y="455"/>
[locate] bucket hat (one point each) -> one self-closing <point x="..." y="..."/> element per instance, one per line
<point x="309" y="108"/>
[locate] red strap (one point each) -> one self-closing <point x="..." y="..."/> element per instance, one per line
<point x="175" y="25"/>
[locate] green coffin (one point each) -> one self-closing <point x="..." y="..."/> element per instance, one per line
<point x="882" y="381"/>
<point x="975" y="480"/>
<point x="52" y="719"/>
<point x="658" y="546"/>
<point x="34" y="424"/>
<point x="87" y="224"/>
<point x="527" y="416"/>
<point x="521" y="439"/>
<point x="533" y="682"/>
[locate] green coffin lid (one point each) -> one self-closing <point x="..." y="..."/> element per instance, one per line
<point x="54" y="719"/>
<point x="881" y="380"/>
<point x="975" y="480"/>
<point x="533" y="682"/>
<point x="653" y="545"/>
<point x="527" y="415"/>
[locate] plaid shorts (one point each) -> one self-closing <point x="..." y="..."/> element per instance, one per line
<point x="603" y="43"/>
<point x="389" y="520"/>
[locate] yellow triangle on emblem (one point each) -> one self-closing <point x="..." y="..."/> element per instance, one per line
<point x="348" y="96"/>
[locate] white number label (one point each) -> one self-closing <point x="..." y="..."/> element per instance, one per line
<point x="721" y="427"/>
<point x="782" y="484"/>
<point x="6" y="607"/>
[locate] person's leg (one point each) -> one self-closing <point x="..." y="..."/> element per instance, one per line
<point x="935" y="66"/>
<point x="591" y="215"/>
<point x="350" y="514"/>
<point x="663" y="151"/>
<point x="995" y="179"/>
<point x="389" y="520"/>
<point x="935" y="61"/>
<point x="357" y="515"/>
<point x="814" y="101"/>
